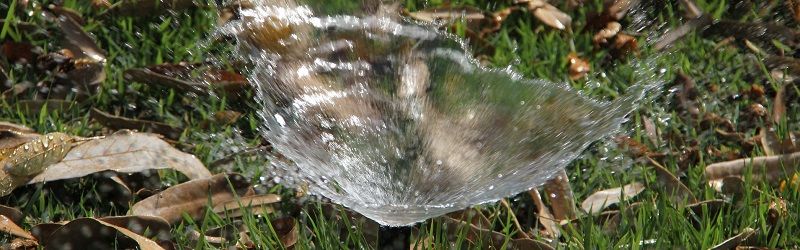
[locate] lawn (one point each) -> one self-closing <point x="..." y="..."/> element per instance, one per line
<point x="726" y="92"/>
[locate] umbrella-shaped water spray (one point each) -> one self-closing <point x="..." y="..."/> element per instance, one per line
<point x="396" y="121"/>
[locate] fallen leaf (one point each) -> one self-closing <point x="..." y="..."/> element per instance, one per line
<point x="34" y="156"/>
<point x="90" y="233"/>
<point x="562" y="201"/>
<point x="7" y="126"/>
<point x="651" y="131"/>
<point x="764" y="168"/>
<point x="118" y="122"/>
<point x="578" y="67"/>
<point x="192" y="197"/>
<point x="774" y="145"/>
<point x="151" y="77"/>
<point x="551" y="226"/>
<point x="624" y="45"/>
<point x="670" y="37"/>
<point x="10" y="140"/>
<point x="256" y="205"/>
<point x="8" y="226"/>
<point x="600" y="200"/>
<point x="124" y="152"/>
<point x="609" y="31"/>
<point x="43" y="231"/>
<point x="12" y="213"/>
<point x="287" y="230"/>
<point x="734" y="241"/>
<point x="552" y="16"/>
<point x="794" y="8"/>
<point x="448" y="14"/>
<point x="21" y="243"/>
<point x="677" y="192"/>
<point x="779" y="104"/>
<point x="147" y="226"/>
<point x="78" y="41"/>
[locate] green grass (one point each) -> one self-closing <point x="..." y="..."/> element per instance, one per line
<point x="723" y="75"/>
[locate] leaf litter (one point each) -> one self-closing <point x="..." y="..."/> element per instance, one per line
<point x="614" y="10"/>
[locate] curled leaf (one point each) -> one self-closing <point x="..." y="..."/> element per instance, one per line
<point x="8" y="226"/>
<point x="559" y="192"/>
<point x="192" y="197"/>
<point x="600" y="200"/>
<point x="124" y="152"/>
<point x="764" y="168"/>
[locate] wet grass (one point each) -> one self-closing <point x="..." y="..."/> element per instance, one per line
<point x="723" y="75"/>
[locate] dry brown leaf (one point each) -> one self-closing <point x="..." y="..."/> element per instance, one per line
<point x="651" y="131"/>
<point x="734" y="241"/>
<point x="578" y="67"/>
<point x="677" y="192"/>
<point x="562" y="201"/>
<point x="287" y="230"/>
<point x="552" y="227"/>
<point x="448" y="14"/>
<point x="256" y="204"/>
<point x="8" y="226"/>
<point x="147" y="226"/>
<point x="600" y="200"/>
<point x="43" y="231"/>
<point x="12" y="213"/>
<point x="78" y="41"/>
<point x="610" y="30"/>
<point x="551" y="16"/>
<point x="192" y="197"/>
<point x="779" y="104"/>
<point x="773" y="145"/>
<point x="670" y="37"/>
<point x="764" y="168"/>
<point x="794" y="8"/>
<point x="34" y="156"/>
<point x="21" y="244"/>
<point x="9" y="140"/>
<point x="7" y="126"/>
<point x="124" y="152"/>
<point x="118" y="122"/>
<point x="624" y="45"/>
<point x="90" y="233"/>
